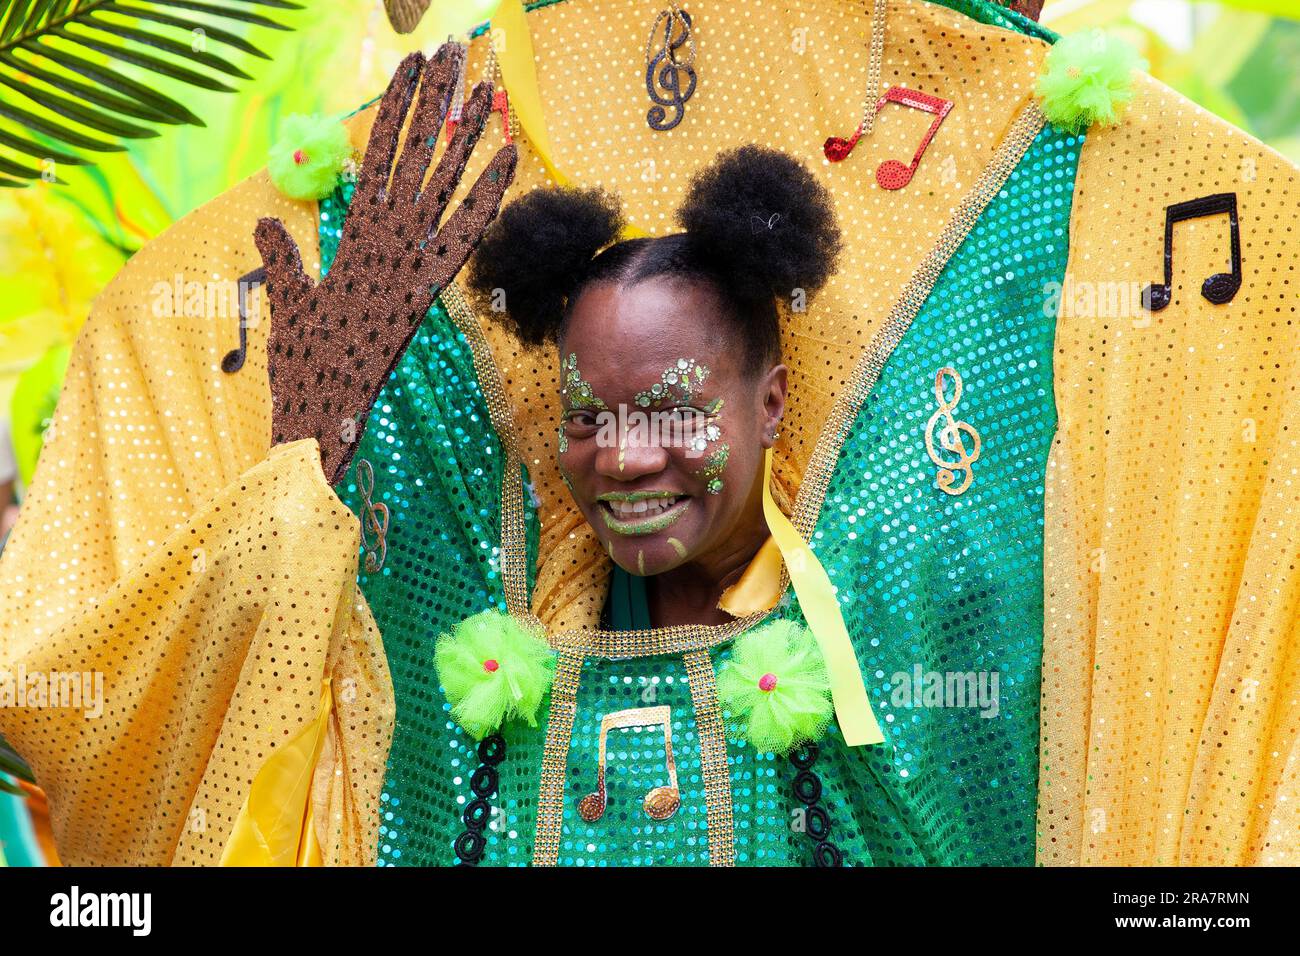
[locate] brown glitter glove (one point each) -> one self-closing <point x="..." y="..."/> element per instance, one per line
<point x="334" y="343"/>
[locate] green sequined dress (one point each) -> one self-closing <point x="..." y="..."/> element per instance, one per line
<point x="929" y="585"/>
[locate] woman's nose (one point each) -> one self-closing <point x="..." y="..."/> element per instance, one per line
<point x="631" y="459"/>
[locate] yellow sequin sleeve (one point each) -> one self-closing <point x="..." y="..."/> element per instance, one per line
<point x="1171" y="667"/>
<point x="196" y="592"/>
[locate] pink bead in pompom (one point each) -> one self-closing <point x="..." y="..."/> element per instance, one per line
<point x="767" y="682"/>
<point x="299" y="157"/>
<point x="490" y="665"/>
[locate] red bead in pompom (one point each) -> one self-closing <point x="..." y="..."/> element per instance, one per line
<point x="490" y="665"/>
<point x="767" y="683"/>
<point x="299" y="157"/>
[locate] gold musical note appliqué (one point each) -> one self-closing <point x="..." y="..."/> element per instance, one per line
<point x="950" y="437"/>
<point x="374" y="519"/>
<point x="661" y="802"/>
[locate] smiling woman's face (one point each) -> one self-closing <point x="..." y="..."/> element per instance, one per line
<point x="663" y="428"/>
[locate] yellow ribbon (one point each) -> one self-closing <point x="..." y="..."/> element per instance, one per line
<point x="759" y="587"/>
<point x="275" y="825"/>
<point x="821" y="610"/>
<point x="519" y="74"/>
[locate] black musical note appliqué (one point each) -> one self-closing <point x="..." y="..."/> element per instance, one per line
<point x="1219" y="288"/>
<point x="234" y="359"/>
<point x="665" y="68"/>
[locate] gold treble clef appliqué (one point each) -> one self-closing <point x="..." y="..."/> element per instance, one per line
<point x="951" y="437"/>
<point x="374" y="519"/>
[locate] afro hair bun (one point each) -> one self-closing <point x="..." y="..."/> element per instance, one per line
<point x="763" y="222"/>
<point x="538" y="250"/>
<point x="757" y="223"/>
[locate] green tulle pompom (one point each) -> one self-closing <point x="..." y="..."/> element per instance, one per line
<point x="775" y="689"/>
<point x="1088" y="78"/>
<point x="306" y="161"/>
<point x="493" y="670"/>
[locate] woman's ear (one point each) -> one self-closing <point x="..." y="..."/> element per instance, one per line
<point x="772" y="391"/>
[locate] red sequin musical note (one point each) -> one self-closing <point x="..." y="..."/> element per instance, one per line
<point x="893" y="174"/>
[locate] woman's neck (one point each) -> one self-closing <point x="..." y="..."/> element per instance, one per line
<point x="689" y="594"/>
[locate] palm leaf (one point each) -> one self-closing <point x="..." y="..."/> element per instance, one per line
<point x="167" y="45"/>
<point x="13" y="764"/>
<point x="81" y="76"/>
<point x="17" y="169"/>
<point x="116" y="81"/>
<point x="230" y="13"/>
<point x="73" y="110"/>
<point x="146" y="60"/>
<point x="34" y="149"/>
<point x="190" y="24"/>
<point x="59" y="131"/>
<point x="91" y="93"/>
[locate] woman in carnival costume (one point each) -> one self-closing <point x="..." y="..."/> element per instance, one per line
<point x="998" y="497"/>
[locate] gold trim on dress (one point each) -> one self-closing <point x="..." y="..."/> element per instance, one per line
<point x="695" y="640"/>
<point x="514" y="535"/>
<point x="555" y="758"/>
<point x="713" y="759"/>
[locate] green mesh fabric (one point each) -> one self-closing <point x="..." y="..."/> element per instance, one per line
<point x="952" y="585"/>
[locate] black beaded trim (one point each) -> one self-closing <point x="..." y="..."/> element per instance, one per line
<point x="470" y="845"/>
<point x="817" y="822"/>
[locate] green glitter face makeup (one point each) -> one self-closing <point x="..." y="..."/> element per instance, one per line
<point x="717" y="460"/>
<point x="575" y="389"/>
<point x="713" y="467"/>
<point x="645" y="526"/>
<point x="678" y="384"/>
<point x="579" y="395"/>
<point x="683" y="377"/>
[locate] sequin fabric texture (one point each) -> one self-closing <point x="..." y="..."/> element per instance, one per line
<point x="947" y="585"/>
<point x="211" y="583"/>
<point x="1169" y="715"/>
<point x="1171" y="695"/>
<point x="438" y="467"/>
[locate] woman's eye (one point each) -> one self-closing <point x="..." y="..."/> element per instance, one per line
<point x="579" y="424"/>
<point x="686" y="421"/>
